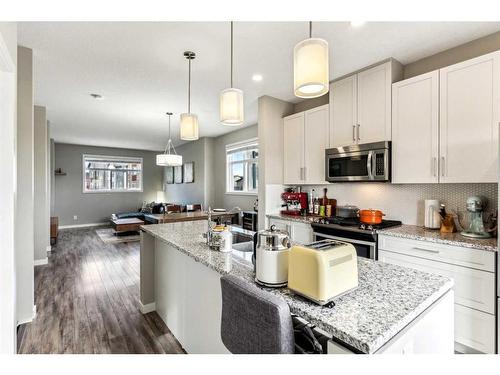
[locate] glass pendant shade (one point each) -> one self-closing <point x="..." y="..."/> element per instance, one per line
<point x="168" y="160"/>
<point x="310" y="68"/>
<point x="231" y="107"/>
<point x="189" y="127"/>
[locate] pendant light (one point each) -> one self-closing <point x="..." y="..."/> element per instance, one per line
<point x="231" y="99"/>
<point x="310" y="67"/>
<point x="169" y="157"/>
<point x="189" y="121"/>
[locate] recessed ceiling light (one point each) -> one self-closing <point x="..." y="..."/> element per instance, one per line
<point x="97" y="96"/>
<point x="357" y="23"/>
<point x="257" y="77"/>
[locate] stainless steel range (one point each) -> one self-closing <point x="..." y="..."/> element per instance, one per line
<point x="362" y="236"/>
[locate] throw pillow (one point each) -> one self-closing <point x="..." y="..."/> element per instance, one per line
<point x="147" y="208"/>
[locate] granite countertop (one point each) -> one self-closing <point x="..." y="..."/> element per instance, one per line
<point x="388" y="298"/>
<point x="308" y="219"/>
<point x="415" y="232"/>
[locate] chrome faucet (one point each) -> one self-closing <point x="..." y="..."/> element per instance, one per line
<point x="210" y="229"/>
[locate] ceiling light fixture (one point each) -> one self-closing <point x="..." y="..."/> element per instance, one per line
<point x="231" y="99"/>
<point x="169" y="157"/>
<point x="257" y="77"/>
<point x="310" y="67"/>
<point x="189" y="121"/>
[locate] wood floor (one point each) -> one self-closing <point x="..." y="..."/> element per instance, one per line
<point x="87" y="301"/>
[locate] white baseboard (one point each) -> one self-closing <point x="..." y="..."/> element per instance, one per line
<point x="41" y="262"/>
<point x="49" y="249"/>
<point x="83" y="225"/>
<point x="28" y="320"/>
<point x="148" y="307"/>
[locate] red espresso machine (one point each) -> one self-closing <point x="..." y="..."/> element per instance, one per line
<point x="295" y="203"/>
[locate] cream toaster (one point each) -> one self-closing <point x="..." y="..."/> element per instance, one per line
<point x="322" y="270"/>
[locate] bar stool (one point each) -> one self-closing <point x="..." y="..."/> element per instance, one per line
<point x="254" y="321"/>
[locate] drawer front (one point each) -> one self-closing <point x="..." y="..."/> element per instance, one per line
<point x="302" y="233"/>
<point x="475" y="329"/>
<point x="461" y="256"/>
<point x="473" y="288"/>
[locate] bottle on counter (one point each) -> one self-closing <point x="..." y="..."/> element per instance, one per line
<point x="310" y="210"/>
<point x="226" y="242"/>
<point x="316" y="206"/>
<point x="322" y="210"/>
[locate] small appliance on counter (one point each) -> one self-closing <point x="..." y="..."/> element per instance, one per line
<point x="432" y="219"/>
<point x="322" y="270"/>
<point x="295" y="203"/>
<point x="271" y="257"/>
<point x="475" y="206"/>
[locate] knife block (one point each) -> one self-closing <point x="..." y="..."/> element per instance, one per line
<point x="448" y="224"/>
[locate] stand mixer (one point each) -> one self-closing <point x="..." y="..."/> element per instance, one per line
<point x="475" y="206"/>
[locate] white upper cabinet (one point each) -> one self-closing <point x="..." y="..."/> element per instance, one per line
<point x="361" y="105"/>
<point x="343" y="102"/>
<point x="469" y="120"/>
<point x="305" y="137"/>
<point x="316" y="134"/>
<point x="374" y="104"/>
<point x="293" y="148"/>
<point x="415" y="129"/>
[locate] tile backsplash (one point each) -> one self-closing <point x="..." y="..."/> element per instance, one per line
<point x="405" y="202"/>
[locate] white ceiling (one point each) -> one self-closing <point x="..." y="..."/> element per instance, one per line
<point x="140" y="70"/>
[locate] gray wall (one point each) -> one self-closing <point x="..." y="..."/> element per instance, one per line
<point x="478" y="47"/>
<point x="24" y="239"/>
<point x="98" y="207"/>
<point x="192" y="192"/>
<point x="270" y="134"/>
<point x="41" y="184"/>
<point x="223" y="200"/>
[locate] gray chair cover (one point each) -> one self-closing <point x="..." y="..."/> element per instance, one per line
<point x="254" y="321"/>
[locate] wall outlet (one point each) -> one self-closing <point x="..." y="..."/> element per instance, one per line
<point x="75" y="217"/>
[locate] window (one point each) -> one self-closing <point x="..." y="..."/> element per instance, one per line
<point x="242" y="167"/>
<point x="111" y="174"/>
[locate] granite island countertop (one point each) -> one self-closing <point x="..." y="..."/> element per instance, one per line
<point x="388" y="298"/>
<point x="415" y="232"/>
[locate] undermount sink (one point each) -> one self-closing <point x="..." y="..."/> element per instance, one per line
<point x="239" y="237"/>
<point x="244" y="247"/>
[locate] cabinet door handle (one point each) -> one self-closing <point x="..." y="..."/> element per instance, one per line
<point x="443" y="162"/>
<point x="359" y="136"/>
<point x="305" y="174"/>
<point x="434" y="166"/>
<point x="354" y="132"/>
<point x="426" y="250"/>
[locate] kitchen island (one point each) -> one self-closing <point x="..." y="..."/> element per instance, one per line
<point x="394" y="309"/>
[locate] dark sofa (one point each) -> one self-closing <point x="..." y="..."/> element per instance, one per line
<point x="148" y="218"/>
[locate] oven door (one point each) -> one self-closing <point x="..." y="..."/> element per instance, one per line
<point x="364" y="249"/>
<point x="352" y="166"/>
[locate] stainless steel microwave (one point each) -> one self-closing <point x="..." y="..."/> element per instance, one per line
<point x="364" y="162"/>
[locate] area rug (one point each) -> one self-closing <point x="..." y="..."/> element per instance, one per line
<point x="107" y="235"/>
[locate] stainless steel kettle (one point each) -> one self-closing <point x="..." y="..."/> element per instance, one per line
<point x="271" y="257"/>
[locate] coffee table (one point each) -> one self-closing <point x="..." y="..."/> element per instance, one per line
<point x="126" y="225"/>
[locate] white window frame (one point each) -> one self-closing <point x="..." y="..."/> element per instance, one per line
<point x="112" y="158"/>
<point x="229" y="182"/>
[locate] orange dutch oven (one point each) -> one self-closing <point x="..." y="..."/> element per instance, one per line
<point x="370" y="216"/>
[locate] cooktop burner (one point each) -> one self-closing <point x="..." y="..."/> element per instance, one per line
<point x="354" y="222"/>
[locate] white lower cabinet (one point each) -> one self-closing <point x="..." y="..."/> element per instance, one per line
<point x="299" y="232"/>
<point x="475" y="296"/>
